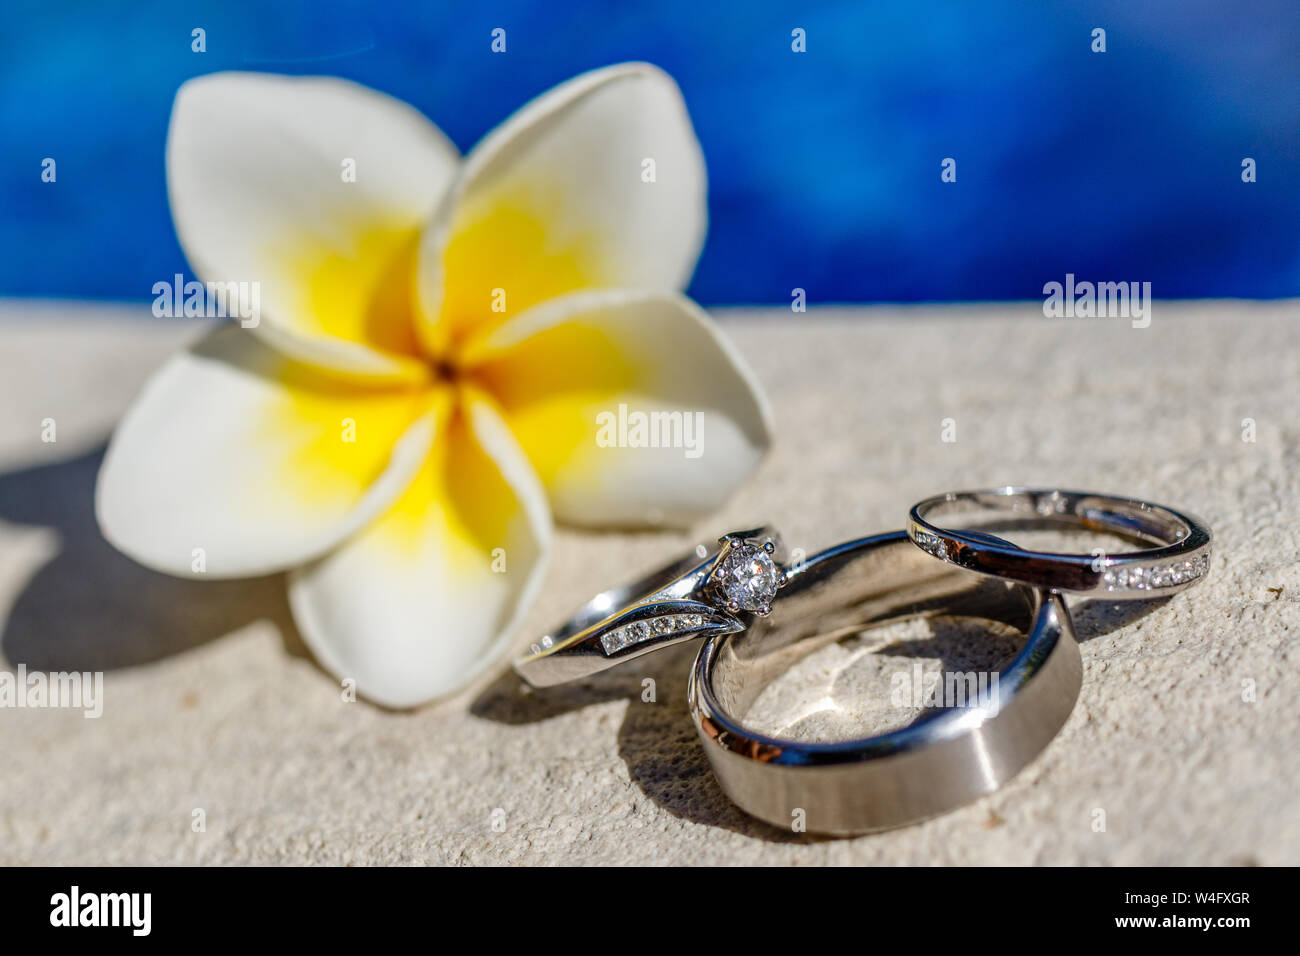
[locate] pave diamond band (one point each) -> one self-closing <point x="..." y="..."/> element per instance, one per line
<point x="1158" y="577"/>
<point x="617" y="638"/>
<point x="1180" y="556"/>
<point x="709" y="592"/>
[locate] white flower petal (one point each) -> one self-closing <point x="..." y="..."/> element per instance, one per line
<point x="257" y="172"/>
<point x="243" y="454"/>
<point x="424" y="599"/>
<point x="557" y="199"/>
<point x="572" y="373"/>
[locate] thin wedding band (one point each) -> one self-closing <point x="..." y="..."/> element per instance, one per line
<point x="947" y="758"/>
<point x="1181" y="556"/>
<point x="709" y="591"/>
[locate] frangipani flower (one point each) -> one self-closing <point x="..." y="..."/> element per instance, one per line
<point x="438" y="337"/>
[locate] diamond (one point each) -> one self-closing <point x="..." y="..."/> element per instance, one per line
<point x="747" y="577"/>
<point x="1051" y="504"/>
<point x="614" y="640"/>
<point x="932" y="544"/>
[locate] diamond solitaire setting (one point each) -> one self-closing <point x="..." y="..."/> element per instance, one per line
<point x="744" y="577"/>
<point x="705" y="593"/>
<point x="747" y="577"/>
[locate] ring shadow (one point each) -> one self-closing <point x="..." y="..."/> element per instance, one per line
<point x="656" y="740"/>
<point x="91" y="608"/>
<point x="658" y="744"/>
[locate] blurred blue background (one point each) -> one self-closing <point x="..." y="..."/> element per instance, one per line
<point x="824" y="166"/>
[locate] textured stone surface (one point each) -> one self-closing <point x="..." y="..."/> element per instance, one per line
<point x="212" y="702"/>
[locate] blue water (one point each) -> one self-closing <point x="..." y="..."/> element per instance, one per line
<point x="824" y="166"/>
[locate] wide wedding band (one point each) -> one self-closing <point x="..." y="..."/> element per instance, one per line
<point x="1180" y="558"/>
<point x="941" y="761"/>
<point x="708" y="592"/>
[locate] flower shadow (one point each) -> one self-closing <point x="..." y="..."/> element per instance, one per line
<point x="92" y="608"/>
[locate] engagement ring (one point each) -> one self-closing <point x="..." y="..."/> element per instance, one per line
<point x="709" y="592"/>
